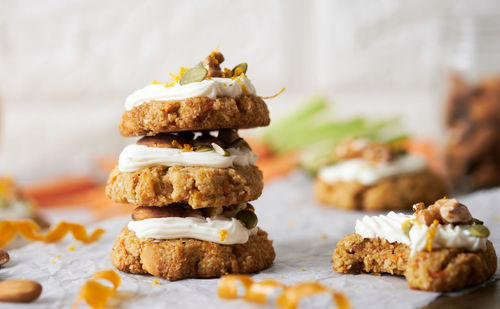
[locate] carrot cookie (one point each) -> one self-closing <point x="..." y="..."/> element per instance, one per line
<point x="185" y="243"/>
<point x="200" y="169"/>
<point x="374" y="176"/>
<point x="204" y="97"/>
<point x="439" y="248"/>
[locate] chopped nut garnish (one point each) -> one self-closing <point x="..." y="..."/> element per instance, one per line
<point x="212" y="64"/>
<point x="445" y="211"/>
<point x="4" y="257"/>
<point x="365" y="149"/>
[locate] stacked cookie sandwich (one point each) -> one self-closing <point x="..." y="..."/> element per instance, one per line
<point x="191" y="176"/>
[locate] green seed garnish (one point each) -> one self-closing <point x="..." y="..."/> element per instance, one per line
<point x="239" y="143"/>
<point x="203" y="148"/>
<point x="248" y="218"/>
<point x="477" y="221"/>
<point x="220" y="150"/>
<point x="193" y="75"/>
<point x="406" y="226"/>
<point x="479" y="230"/>
<point x="240" y="68"/>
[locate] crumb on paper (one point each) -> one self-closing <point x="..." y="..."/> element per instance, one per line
<point x="281" y="276"/>
<point x="324" y="236"/>
<point x="496" y="218"/>
<point x="72" y="248"/>
<point x="58" y="256"/>
<point x="290" y="223"/>
<point x="302" y="269"/>
<point x="318" y="270"/>
<point x="156" y="282"/>
<point x="53" y="262"/>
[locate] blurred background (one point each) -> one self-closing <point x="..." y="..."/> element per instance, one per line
<point x="66" y="67"/>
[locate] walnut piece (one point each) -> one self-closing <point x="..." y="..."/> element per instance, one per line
<point x="212" y="64"/>
<point x="446" y="211"/>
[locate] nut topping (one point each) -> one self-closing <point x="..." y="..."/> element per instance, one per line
<point x="19" y="291"/>
<point x="212" y="64"/>
<point x="4" y="257"/>
<point x="446" y="211"/>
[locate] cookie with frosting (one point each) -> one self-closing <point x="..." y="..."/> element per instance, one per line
<point x="373" y="176"/>
<point x="200" y="169"/>
<point x="204" y="97"/>
<point x="438" y="248"/>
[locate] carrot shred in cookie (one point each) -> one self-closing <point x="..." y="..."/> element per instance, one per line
<point x="29" y="230"/>
<point x="96" y="294"/>
<point x="288" y="299"/>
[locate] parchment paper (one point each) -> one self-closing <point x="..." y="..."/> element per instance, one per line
<point x="304" y="235"/>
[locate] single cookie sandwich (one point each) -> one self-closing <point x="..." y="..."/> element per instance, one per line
<point x="177" y="242"/>
<point x="438" y="248"/>
<point x="374" y="176"/>
<point x="204" y="97"/>
<point x="199" y="169"/>
<point x="191" y="177"/>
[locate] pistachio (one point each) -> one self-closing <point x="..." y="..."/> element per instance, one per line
<point x="240" y="68"/>
<point x="479" y="230"/>
<point x="193" y="75"/>
<point x="240" y="143"/>
<point x="4" y="257"/>
<point x="220" y="150"/>
<point x="203" y="148"/>
<point x="406" y="227"/>
<point x="248" y="218"/>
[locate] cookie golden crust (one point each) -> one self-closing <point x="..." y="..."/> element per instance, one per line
<point x="190" y="258"/>
<point x="195" y="114"/>
<point x="200" y="187"/>
<point x="398" y="192"/>
<point x="441" y="270"/>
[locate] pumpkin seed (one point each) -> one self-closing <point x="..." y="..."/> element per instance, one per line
<point x="406" y="226"/>
<point x="240" y="68"/>
<point x="240" y="143"/>
<point x="477" y="221"/>
<point x="248" y="218"/>
<point x="479" y="230"/>
<point x="203" y="148"/>
<point x="193" y="75"/>
<point x="220" y="150"/>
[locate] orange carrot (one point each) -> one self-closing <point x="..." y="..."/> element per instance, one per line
<point x="46" y="192"/>
<point x="278" y="165"/>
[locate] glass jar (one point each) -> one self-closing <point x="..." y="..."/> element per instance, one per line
<point x="472" y="114"/>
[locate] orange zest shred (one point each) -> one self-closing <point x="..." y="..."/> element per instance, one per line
<point x="274" y="95"/>
<point x="29" y="230"/>
<point x="223" y="234"/>
<point x="431" y="232"/>
<point x="96" y="294"/>
<point x="175" y="78"/>
<point x="288" y="299"/>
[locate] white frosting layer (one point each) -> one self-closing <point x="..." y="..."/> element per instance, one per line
<point x="212" y="88"/>
<point x="368" y="173"/>
<point x="207" y="229"/>
<point x="446" y="236"/>
<point x="135" y="157"/>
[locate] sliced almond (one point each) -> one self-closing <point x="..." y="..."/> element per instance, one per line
<point x="19" y="291"/>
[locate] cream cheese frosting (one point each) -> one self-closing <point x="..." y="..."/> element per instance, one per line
<point x="369" y="173"/>
<point x="446" y="236"/>
<point x="135" y="157"/>
<point x="218" y="229"/>
<point x="212" y="88"/>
